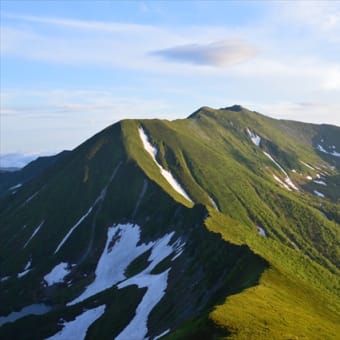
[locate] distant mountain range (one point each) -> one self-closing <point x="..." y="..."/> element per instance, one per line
<point x="224" y="224"/>
<point x="16" y="160"/>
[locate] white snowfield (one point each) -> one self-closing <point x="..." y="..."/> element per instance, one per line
<point x="254" y="137"/>
<point x="57" y="274"/>
<point x="156" y="285"/>
<point x="288" y="182"/>
<point x="152" y="151"/>
<point x="72" y="229"/>
<point x="318" y="193"/>
<point x="115" y="258"/>
<point x="34" y="233"/>
<point x="76" y="329"/>
<point x="120" y="250"/>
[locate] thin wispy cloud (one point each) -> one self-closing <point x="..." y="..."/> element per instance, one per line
<point x="218" y="54"/>
<point x="88" y="25"/>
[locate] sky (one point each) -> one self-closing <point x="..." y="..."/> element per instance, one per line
<point x="71" y="68"/>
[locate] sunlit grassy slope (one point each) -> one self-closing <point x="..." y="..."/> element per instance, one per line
<point x="212" y="155"/>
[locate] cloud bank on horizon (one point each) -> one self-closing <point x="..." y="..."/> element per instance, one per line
<point x="67" y="72"/>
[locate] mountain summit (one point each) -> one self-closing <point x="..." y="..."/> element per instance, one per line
<point x="224" y="224"/>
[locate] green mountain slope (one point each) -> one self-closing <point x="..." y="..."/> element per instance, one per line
<point x="238" y="216"/>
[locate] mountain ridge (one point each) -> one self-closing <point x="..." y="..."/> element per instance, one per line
<point x="247" y="178"/>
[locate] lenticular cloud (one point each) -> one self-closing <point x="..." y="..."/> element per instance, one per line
<point x="218" y="54"/>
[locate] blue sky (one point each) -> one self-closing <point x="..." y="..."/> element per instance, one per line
<point x="70" y="68"/>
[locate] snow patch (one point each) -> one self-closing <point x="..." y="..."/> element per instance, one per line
<point x="307" y="165"/>
<point x="17" y="186"/>
<point x="276" y="163"/>
<point x="156" y="286"/>
<point x="254" y="137"/>
<point x="120" y="250"/>
<point x="162" y="334"/>
<point x="152" y="151"/>
<point x="28" y="264"/>
<point x="34" y="233"/>
<point x="57" y="274"/>
<point x="214" y="204"/>
<point x="76" y="329"/>
<point x="35" y="309"/>
<point x="72" y="229"/>
<point x="318" y="193"/>
<point x="320" y="182"/>
<point x="282" y="183"/>
<point x="291" y="184"/>
<point x="31" y="197"/>
<point x="320" y="148"/>
<point x="26" y="269"/>
<point x="261" y="231"/>
<point x="179" y="249"/>
<point x="333" y="153"/>
<point x="101" y="197"/>
<point x="309" y="177"/>
<point x="177" y="255"/>
<point x="5" y="278"/>
<point x="23" y="273"/>
<point x="287" y="179"/>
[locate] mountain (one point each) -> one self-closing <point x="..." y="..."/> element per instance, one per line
<point x="224" y="224"/>
<point x="12" y="178"/>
